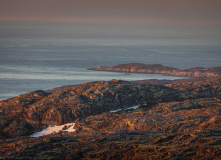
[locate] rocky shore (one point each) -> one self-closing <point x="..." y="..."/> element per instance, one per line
<point x="160" y="69"/>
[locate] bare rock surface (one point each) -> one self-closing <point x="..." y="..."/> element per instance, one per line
<point x="188" y="129"/>
<point x="78" y="102"/>
<point x="177" y="119"/>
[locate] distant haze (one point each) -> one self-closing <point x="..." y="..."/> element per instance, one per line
<point x="49" y="43"/>
<point x="184" y="11"/>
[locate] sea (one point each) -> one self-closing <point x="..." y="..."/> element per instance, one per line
<point x="43" y="55"/>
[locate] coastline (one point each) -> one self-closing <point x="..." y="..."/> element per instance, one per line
<point x="160" y="69"/>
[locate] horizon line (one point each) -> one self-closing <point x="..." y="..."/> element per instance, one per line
<point x="103" y="20"/>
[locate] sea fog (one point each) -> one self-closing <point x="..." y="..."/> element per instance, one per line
<point x="47" y="55"/>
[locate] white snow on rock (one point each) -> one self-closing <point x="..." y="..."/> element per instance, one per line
<point x="134" y="107"/>
<point x="70" y="126"/>
<point x="52" y="129"/>
<point x="115" y="110"/>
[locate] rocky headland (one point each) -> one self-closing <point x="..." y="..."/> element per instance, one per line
<point x="176" y="119"/>
<point x="160" y="69"/>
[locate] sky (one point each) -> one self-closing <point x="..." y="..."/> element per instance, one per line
<point x="179" y="11"/>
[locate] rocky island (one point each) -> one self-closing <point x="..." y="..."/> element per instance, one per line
<point x="173" y="119"/>
<point x="160" y="69"/>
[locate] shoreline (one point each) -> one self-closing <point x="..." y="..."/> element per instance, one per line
<point x="160" y="69"/>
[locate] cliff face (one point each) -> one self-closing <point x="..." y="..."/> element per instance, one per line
<point x="160" y="69"/>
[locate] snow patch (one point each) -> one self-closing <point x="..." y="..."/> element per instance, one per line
<point x="133" y="107"/>
<point x="53" y="129"/>
<point x="115" y="110"/>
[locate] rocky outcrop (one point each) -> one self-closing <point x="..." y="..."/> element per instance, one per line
<point x="160" y="69"/>
<point x="31" y="112"/>
<point x="180" y="120"/>
<point x="93" y="98"/>
<point x="199" y="87"/>
<point x="187" y="129"/>
<point x="79" y="102"/>
<point x="13" y="114"/>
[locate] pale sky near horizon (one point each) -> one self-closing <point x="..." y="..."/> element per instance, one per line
<point x="202" y="11"/>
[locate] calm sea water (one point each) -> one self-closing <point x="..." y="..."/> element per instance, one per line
<point x="45" y="55"/>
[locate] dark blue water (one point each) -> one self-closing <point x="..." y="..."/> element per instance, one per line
<point x="43" y="56"/>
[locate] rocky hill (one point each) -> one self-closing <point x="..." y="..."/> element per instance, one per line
<point x="200" y="87"/>
<point x="41" y="108"/>
<point x="177" y="119"/>
<point x="160" y="69"/>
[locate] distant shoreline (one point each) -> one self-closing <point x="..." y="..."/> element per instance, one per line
<point x="160" y="69"/>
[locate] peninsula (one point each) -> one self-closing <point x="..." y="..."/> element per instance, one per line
<point x="160" y="69"/>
